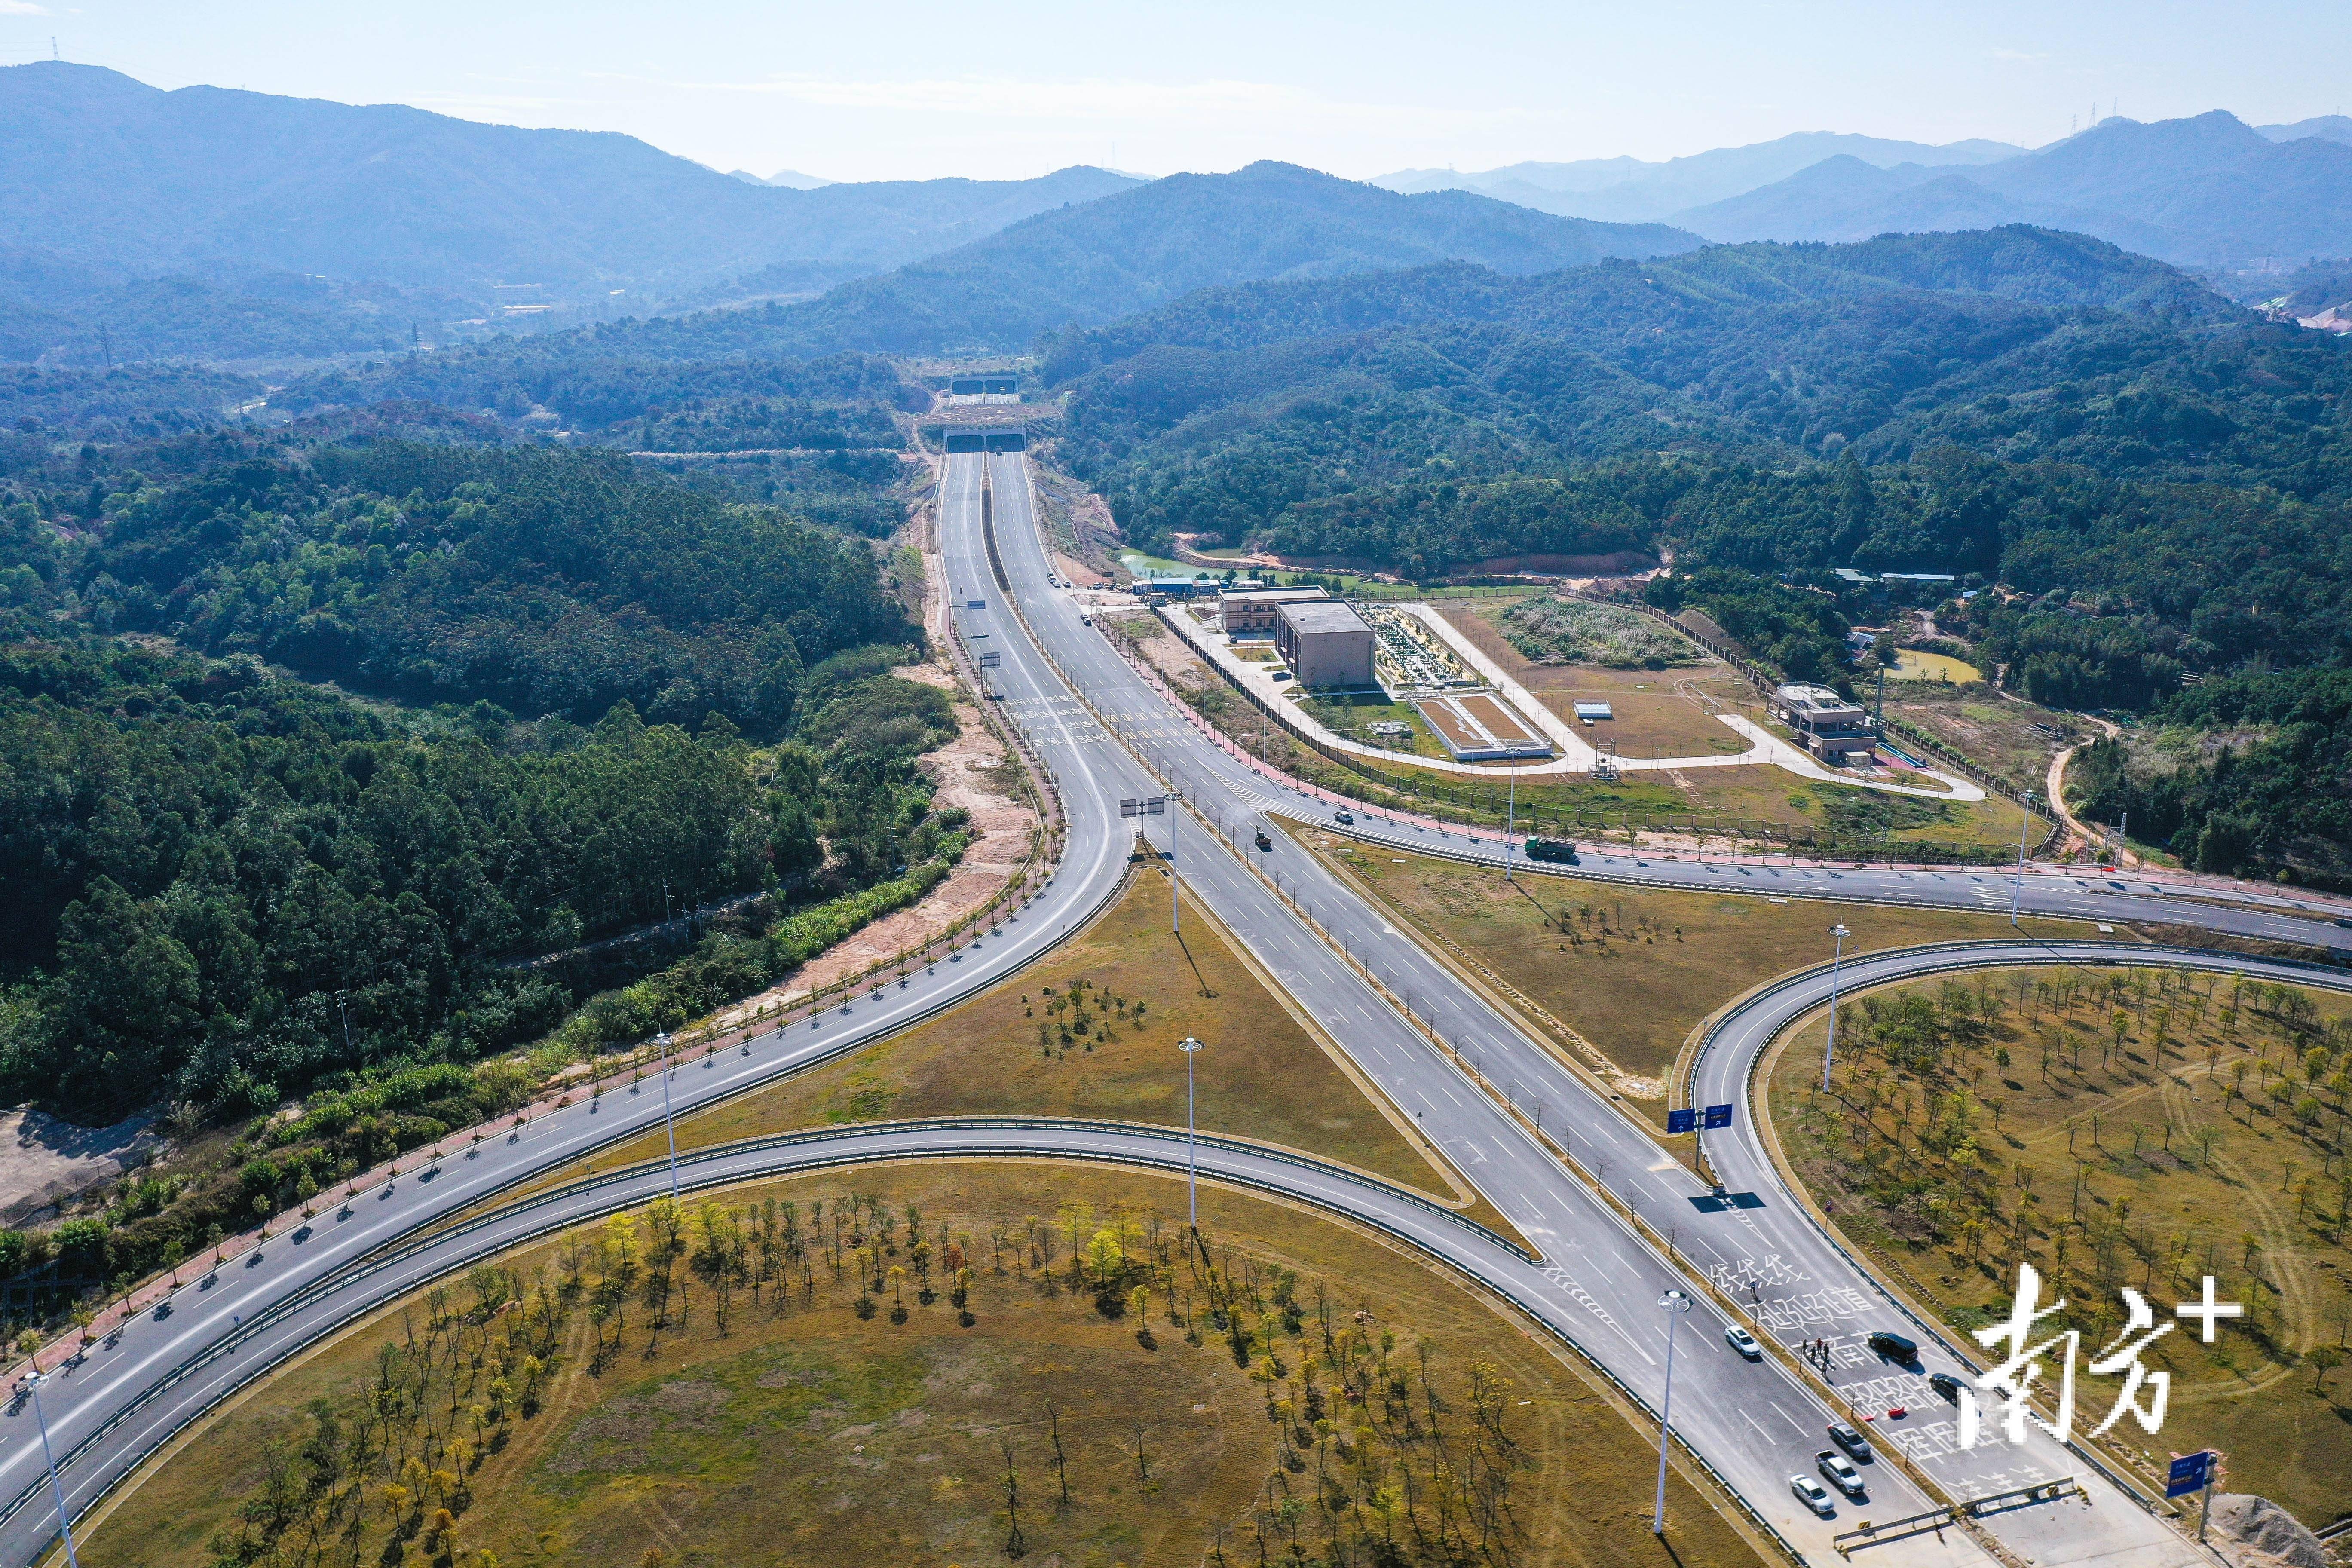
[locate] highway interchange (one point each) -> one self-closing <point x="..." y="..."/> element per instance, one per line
<point x="1595" y="1283"/>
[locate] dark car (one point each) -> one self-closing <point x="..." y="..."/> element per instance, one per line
<point x="1894" y="1347"/>
<point x="1945" y="1383"/>
<point x="1262" y="841"/>
<point x="1851" y="1441"/>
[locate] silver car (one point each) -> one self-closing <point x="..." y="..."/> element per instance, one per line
<point x="1840" y="1470"/>
<point x="1810" y="1493"/>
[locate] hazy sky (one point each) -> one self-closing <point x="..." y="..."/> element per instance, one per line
<point x="918" y="88"/>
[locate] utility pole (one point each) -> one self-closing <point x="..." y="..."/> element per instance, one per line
<point x="1675" y="1304"/>
<point x="2017" y="889"/>
<point x="56" y="1488"/>
<point x="1191" y="1048"/>
<point x="1837" y="959"/>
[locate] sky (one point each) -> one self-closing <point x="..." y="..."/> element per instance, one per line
<point x="918" y="89"/>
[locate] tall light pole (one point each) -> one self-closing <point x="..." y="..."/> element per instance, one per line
<point x="2017" y="891"/>
<point x="668" y="1122"/>
<point x="1191" y="1048"/>
<point x="1837" y="959"/>
<point x="1510" y="818"/>
<point x="1675" y="1304"/>
<point x="56" y="1488"/>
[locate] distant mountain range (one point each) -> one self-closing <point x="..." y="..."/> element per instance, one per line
<point x="2208" y="191"/>
<point x="1628" y="190"/>
<point x="785" y="179"/>
<point x="1139" y="249"/>
<point x="116" y="181"/>
<point x="139" y="224"/>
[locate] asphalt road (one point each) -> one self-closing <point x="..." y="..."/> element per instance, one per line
<point x="1597" y="1283"/>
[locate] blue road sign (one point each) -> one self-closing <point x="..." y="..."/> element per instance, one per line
<point x="2189" y="1473"/>
<point x="1718" y="1116"/>
<point x="1682" y="1120"/>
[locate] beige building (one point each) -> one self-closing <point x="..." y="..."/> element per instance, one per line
<point x="1250" y="612"/>
<point x="1327" y="643"/>
<point x="1827" y="725"/>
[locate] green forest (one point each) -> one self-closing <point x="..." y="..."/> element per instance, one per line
<point x="328" y="756"/>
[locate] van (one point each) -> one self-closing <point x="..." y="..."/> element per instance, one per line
<point x="1894" y="1347"/>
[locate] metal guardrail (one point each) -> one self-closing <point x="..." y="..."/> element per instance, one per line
<point x="1952" y="958"/>
<point x="701" y="1161"/>
<point x="706" y="1181"/>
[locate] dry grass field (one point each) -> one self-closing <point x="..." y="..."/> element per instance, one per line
<point x="1659" y="712"/>
<point x="2118" y="1128"/>
<point x="1254" y="1415"/>
<point x="1091" y="1032"/>
<point x="1634" y="970"/>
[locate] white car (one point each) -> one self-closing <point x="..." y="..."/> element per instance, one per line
<point x="1743" y="1342"/>
<point x="1840" y="1470"/>
<point x="1811" y="1494"/>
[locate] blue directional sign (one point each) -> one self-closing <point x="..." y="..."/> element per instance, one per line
<point x="1682" y="1120"/>
<point x="2190" y="1472"/>
<point x="1718" y="1116"/>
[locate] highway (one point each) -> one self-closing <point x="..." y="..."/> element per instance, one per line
<point x="1597" y="1283"/>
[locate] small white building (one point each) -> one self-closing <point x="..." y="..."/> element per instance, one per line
<point x="1829" y="726"/>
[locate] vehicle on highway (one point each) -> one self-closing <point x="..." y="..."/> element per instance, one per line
<point x="1812" y="1494"/>
<point x="1945" y="1383"/>
<point x="1894" y="1347"/>
<point x="1558" y="851"/>
<point x="1743" y="1342"/>
<point x="1853" y="1442"/>
<point x="1344" y="818"/>
<point x="1840" y="1470"/>
<point x="1262" y="841"/>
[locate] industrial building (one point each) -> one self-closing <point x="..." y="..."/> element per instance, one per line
<point x="1327" y="643"/>
<point x="1250" y="612"/>
<point x="1829" y="726"/>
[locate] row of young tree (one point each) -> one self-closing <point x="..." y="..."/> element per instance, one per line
<point x="1373" y="1457"/>
<point x="1913" y="1125"/>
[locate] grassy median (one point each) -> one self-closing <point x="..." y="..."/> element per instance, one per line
<point x="1317" y="1397"/>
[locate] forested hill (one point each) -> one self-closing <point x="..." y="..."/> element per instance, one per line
<point x="2031" y="266"/>
<point x="577" y="696"/>
<point x="2163" y="481"/>
<point x="1142" y="247"/>
<point x="1293" y="408"/>
<point x="543" y="581"/>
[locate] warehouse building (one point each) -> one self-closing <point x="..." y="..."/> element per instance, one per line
<point x="1327" y="643"/>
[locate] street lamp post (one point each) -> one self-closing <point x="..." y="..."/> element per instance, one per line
<point x="2017" y="891"/>
<point x="56" y="1488"/>
<point x="668" y="1123"/>
<point x="1837" y="961"/>
<point x="1191" y="1048"/>
<point x="1511" y="818"/>
<point x="1675" y="1304"/>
